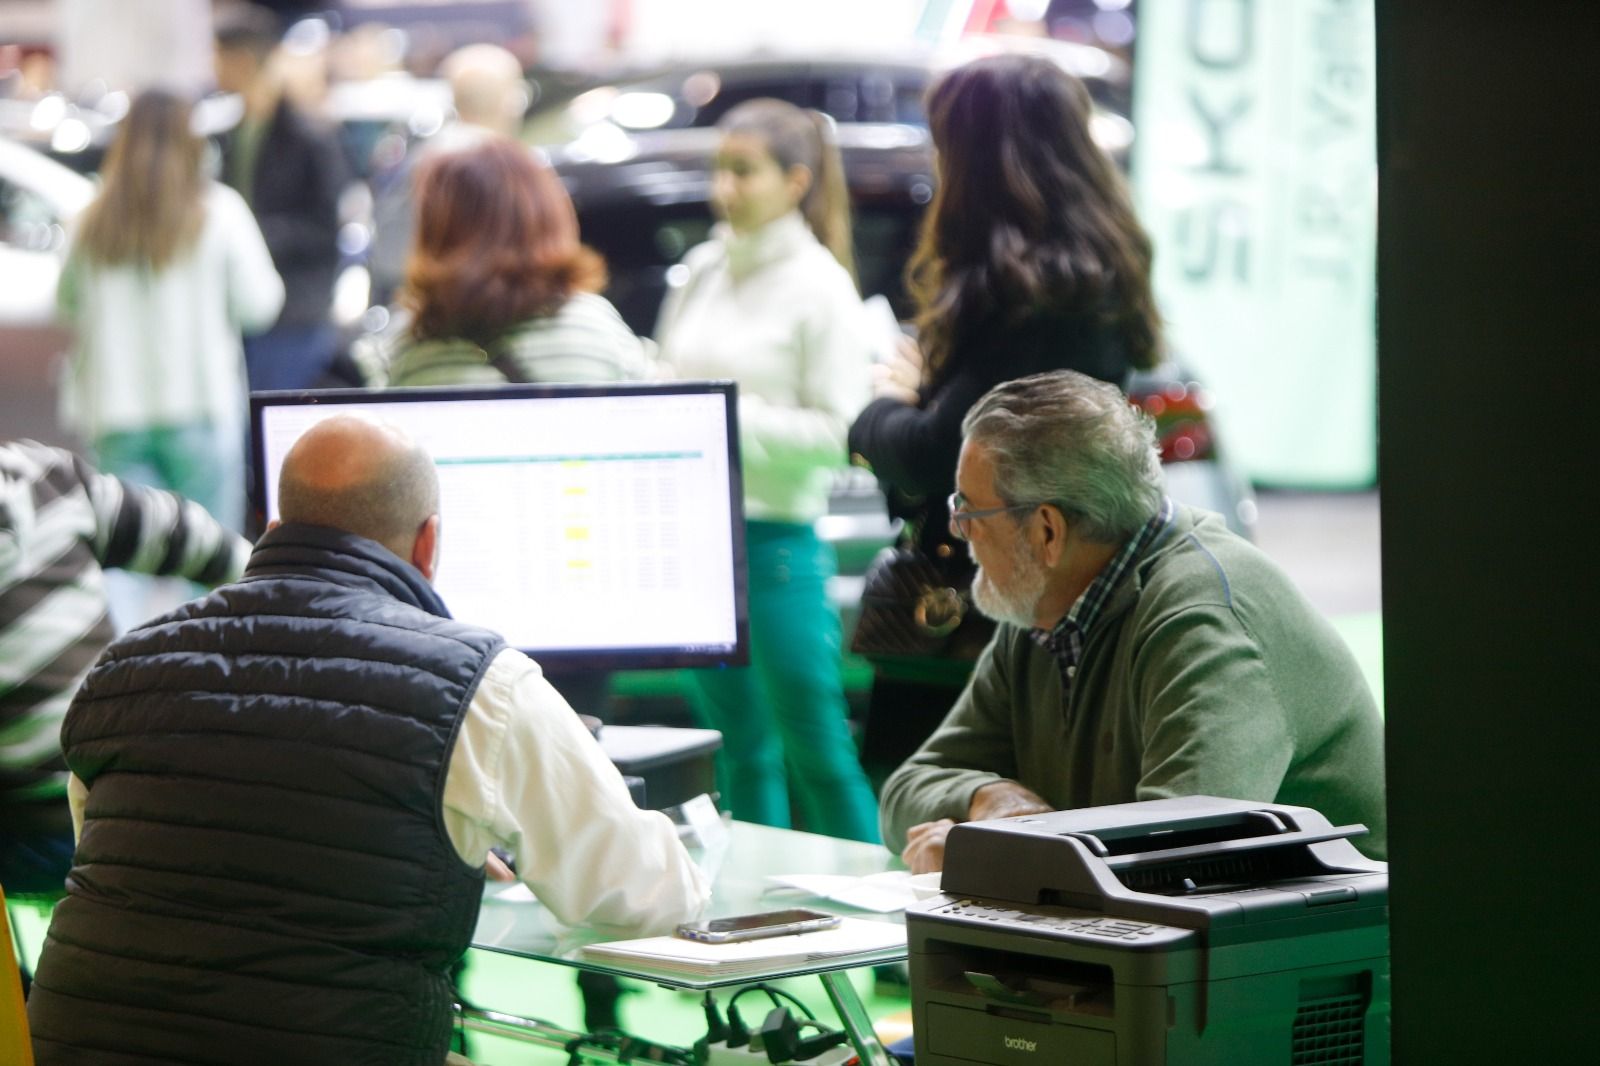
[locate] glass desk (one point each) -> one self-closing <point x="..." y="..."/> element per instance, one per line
<point x="516" y="926"/>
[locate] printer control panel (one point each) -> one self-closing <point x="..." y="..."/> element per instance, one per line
<point x="1061" y="923"/>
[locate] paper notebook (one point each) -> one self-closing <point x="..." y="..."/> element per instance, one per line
<point x="852" y="936"/>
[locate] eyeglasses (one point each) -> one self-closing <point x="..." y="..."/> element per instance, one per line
<point x="960" y="517"/>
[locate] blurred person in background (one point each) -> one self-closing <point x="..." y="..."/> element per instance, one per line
<point x="61" y="523"/>
<point x="497" y="286"/>
<point x="489" y="96"/>
<point x="290" y="172"/>
<point x="165" y="271"/>
<point x="1031" y="259"/>
<point x="770" y="302"/>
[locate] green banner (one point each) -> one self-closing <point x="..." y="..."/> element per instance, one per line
<point x="1255" y="172"/>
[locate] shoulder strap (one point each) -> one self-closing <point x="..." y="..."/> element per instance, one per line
<point x="498" y="357"/>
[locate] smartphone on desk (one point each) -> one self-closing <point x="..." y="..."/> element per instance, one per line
<point x="755" y="926"/>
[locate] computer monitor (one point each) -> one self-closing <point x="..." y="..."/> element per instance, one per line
<point x="594" y="526"/>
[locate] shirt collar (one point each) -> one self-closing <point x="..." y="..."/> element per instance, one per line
<point x="1065" y="641"/>
<point x="333" y="555"/>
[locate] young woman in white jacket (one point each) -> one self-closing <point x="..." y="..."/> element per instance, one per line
<point x="770" y="302"/>
<point x="167" y="269"/>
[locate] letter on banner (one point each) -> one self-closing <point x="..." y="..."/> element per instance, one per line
<point x="1255" y="169"/>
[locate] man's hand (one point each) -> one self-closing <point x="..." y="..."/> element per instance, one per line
<point x="924" y="852"/>
<point x="1005" y="799"/>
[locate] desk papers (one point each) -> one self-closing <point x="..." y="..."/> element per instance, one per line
<point x="852" y="936"/>
<point x="883" y="892"/>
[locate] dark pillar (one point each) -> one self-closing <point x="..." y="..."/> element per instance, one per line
<point x="1489" y="432"/>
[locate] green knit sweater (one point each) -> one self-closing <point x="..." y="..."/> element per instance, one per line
<point x="1207" y="673"/>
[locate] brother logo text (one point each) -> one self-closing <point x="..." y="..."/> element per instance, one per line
<point x="1016" y="1043"/>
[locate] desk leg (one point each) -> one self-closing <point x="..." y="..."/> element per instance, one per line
<point x="854" y="1016"/>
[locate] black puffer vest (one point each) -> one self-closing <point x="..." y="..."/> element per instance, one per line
<point x="263" y="875"/>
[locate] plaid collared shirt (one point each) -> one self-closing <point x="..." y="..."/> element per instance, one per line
<point x="1065" y="641"/>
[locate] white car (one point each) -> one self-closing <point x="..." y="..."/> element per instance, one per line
<point x="39" y="198"/>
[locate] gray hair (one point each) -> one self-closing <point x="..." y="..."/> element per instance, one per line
<point x="360" y="476"/>
<point x="1068" y="439"/>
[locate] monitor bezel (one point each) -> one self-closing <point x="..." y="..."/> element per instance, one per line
<point x="556" y="659"/>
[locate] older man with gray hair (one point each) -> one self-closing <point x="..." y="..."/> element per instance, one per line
<point x="1144" y="650"/>
<point x="288" y="792"/>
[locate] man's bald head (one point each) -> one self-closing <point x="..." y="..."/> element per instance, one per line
<point x="487" y="86"/>
<point x="362" y="477"/>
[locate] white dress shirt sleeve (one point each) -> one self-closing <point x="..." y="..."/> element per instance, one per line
<point x="526" y="776"/>
<point x="77" y="799"/>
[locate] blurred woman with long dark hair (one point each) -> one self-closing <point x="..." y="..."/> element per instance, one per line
<point x="1030" y="259"/>
<point x="167" y="269"/>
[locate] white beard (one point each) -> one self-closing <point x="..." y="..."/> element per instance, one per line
<point x="1017" y="604"/>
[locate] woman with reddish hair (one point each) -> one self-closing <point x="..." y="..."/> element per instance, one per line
<point x="498" y="287"/>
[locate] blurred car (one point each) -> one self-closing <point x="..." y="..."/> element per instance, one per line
<point x="71" y="133"/>
<point x="77" y="132"/>
<point x="880" y="85"/>
<point x="39" y="198"/>
<point x="378" y="119"/>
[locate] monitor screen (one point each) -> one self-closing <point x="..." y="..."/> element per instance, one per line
<point x="591" y="525"/>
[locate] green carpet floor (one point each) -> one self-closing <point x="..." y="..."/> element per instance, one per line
<point x="550" y="993"/>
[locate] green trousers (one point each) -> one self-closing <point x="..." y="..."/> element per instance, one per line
<point x="785" y="730"/>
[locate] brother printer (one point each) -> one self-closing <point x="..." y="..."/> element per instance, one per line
<point x="1172" y="932"/>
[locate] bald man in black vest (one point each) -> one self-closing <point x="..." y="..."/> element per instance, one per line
<point x="287" y="792"/>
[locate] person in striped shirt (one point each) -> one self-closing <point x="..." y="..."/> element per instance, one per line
<point x="61" y="523"/>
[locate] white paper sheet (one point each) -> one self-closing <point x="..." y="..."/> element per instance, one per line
<point x="883" y="893"/>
